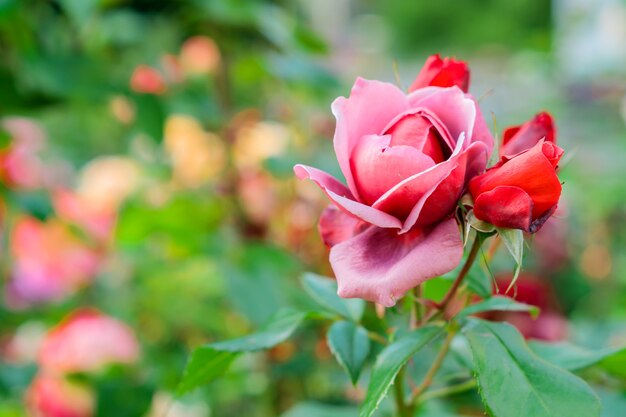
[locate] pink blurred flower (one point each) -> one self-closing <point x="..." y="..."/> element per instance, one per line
<point x="20" y="165"/>
<point x="55" y="396"/>
<point x="199" y="55"/>
<point x="50" y="263"/>
<point x="87" y="341"/>
<point x="97" y="220"/>
<point x="147" y="80"/>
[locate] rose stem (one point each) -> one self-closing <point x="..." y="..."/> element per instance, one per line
<point x="457" y="282"/>
<point x="449" y="390"/>
<point x="428" y="379"/>
<point x="403" y="410"/>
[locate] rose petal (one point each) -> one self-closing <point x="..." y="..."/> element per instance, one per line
<point x="343" y="199"/>
<point x="516" y="139"/>
<point x="407" y="199"/>
<point x="456" y="110"/>
<point x="377" y="167"/>
<point x="335" y="226"/>
<point x="370" y="107"/>
<point x="505" y="206"/>
<point x="379" y="265"/>
<point x="532" y="170"/>
<point x="444" y="72"/>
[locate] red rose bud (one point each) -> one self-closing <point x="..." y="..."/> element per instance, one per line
<point x="516" y="139"/>
<point x="520" y="192"/>
<point x="444" y="72"/>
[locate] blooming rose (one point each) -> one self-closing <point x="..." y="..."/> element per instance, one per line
<point x="407" y="160"/>
<point x="87" y="341"/>
<point x="520" y="192"/>
<point x="516" y="139"/>
<point x="444" y="72"/>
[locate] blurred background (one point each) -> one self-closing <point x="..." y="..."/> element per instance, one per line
<point x="149" y="206"/>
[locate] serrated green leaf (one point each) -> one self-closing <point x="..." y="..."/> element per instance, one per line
<point x="572" y="357"/>
<point x="498" y="303"/>
<point x="350" y="345"/>
<point x="515" y="382"/>
<point x="513" y="240"/>
<point x="324" y="291"/>
<point x="211" y="361"/>
<point x="389" y="362"/>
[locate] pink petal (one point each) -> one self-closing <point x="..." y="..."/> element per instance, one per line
<point x="370" y="107"/>
<point x="456" y="110"/>
<point x="447" y="179"/>
<point x="335" y="226"/>
<point x="342" y="197"/>
<point x="377" y="167"/>
<point x="379" y="265"/>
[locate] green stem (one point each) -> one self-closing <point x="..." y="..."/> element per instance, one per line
<point x="377" y="338"/>
<point x="449" y="390"/>
<point x="430" y="375"/>
<point x="404" y="410"/>
<point x="459" y="279"/>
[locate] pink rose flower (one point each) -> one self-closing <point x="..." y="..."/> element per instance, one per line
<point x="87" y="341"/>
<point x="97" y="220"/>
<point x="49" y="262"/>
<point x="55" y="396"/>
<point x="407" y="160"/>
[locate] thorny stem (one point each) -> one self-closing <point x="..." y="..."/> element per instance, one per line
<point x="428" y="379"/>
<point x="459" y="279"/>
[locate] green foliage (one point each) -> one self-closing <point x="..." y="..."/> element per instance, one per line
<point x="211" y="361"/>
<point x="497" y="303"/>
<point x="512" y="378"/>
<point x="571" y="357"/>
<point x="324" y="291"/>
<point x="350" y="345"/>
<point x="389" y="362"/>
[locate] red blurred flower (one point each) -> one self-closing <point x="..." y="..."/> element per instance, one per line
<point x="521" y="192"/>
<point x="445" y="72"/>
<point x="147" y="80"/>
<point x="551" y="325"/>
<point x="20" y="164"/>
<point x="87" y="341"/>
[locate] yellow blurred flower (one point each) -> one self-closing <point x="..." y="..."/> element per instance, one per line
<point x="197" y="155"/>
<point x="257" y="142"/>
<point x="107" y="181"/>
<point x="122" y="109"/>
